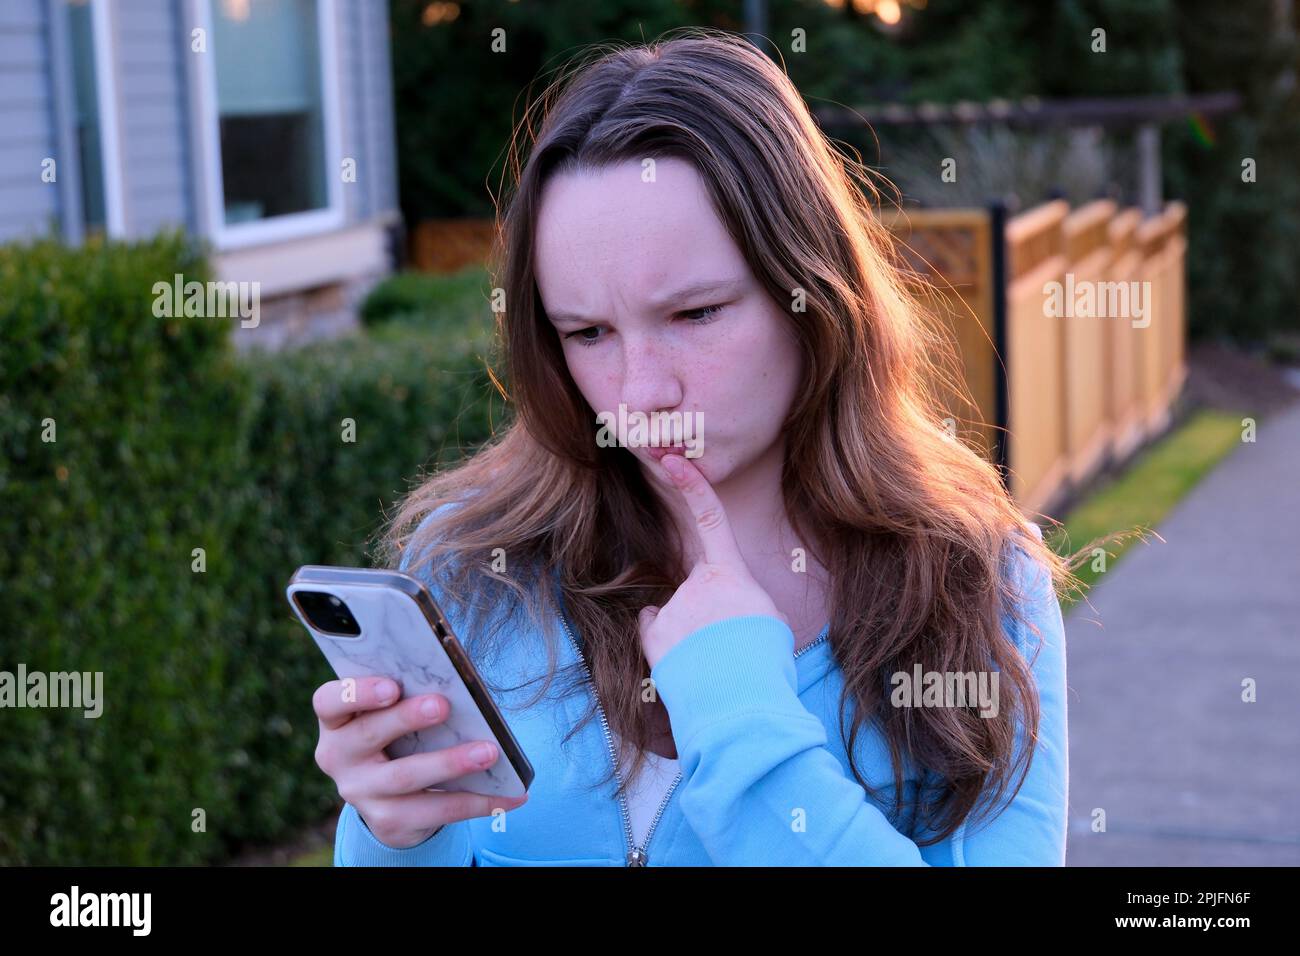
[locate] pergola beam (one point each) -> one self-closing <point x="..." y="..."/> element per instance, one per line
<point x="1032" y="111"/>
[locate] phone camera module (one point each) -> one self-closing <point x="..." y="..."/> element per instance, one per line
<point x="327" y="613"/>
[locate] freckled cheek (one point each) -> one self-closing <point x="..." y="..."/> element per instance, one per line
<point x="594" y="382"/>
<point x="722" y="391"/>
<point x="751" y="368"/>
<point x="780" y="362"/>
<point x="764" y="382"/>
<point x="706" y="382"/>
<point x="608" y="372"/>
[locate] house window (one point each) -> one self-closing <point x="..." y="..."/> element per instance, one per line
<point x="81" y="40"/>
<point x="273" y="107"/>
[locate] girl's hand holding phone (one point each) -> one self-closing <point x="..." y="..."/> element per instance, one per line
<point x="390" y="794"/>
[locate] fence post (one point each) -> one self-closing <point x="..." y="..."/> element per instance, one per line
<point x="998" y="259"/>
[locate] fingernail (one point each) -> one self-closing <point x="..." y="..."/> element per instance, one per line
<point x="385" y="690"/>
<point x="674" y="466"/>
<point x="481" y="753"/>
<point x="431" y="707"/>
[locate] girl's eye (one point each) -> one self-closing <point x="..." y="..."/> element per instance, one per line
<point x="702" y="316"/>
<point x="587" y="342"/>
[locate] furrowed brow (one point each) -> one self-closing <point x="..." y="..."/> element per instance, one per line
<point x="725" y="287"/>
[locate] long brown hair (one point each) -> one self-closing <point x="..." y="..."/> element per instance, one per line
<point x="913" y="527"/>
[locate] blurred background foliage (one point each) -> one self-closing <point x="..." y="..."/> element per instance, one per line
<point x="1243" y="280"/>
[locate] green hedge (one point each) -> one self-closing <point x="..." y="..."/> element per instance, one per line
<point x="167" y="442"/>
<point x="419" y="298"/>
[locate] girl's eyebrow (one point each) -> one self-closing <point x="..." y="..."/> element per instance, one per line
<point x="727" y="287"/>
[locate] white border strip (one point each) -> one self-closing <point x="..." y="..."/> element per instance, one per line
<point x="110" y="159"/>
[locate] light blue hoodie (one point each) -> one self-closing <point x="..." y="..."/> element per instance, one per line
<point x="764" y="777"/>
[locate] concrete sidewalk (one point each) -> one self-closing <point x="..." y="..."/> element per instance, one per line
<point x="1188" y="773"/>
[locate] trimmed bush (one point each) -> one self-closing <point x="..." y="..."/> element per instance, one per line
<point x="421" y="299"/>
<point x="315" y="500"/>
<point x="164" y="442"/>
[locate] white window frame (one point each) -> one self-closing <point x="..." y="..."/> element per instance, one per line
<point x="110" y="149"/>
<point x="293" y="225"/>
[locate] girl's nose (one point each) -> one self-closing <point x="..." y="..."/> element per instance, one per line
<point x="651" y="380"/>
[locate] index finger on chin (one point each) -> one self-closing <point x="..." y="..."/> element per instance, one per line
<point x="711" y="522"/>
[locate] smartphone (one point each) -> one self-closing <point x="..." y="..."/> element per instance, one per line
<point x="371" y="622"/>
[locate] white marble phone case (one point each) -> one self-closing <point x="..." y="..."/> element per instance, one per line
<point x="399" y="638"/>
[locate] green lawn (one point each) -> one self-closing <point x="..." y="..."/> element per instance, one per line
<point x="1148" y="488"/>
<point x="322" y="857"/>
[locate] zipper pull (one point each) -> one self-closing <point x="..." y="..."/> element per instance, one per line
<point x="636" y="857"/>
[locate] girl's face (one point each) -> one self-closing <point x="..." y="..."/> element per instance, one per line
<point x="658" y="310"/>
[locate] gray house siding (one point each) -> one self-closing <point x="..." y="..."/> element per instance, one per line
<point x="154" y="71"/>
<point x="28" y="132"/>
<point x="157" y="170"/>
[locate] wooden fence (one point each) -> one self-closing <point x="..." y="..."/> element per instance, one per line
<point x="1085" y="308"/>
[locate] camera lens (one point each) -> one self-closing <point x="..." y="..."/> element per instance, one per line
<point x="327" y="613"/>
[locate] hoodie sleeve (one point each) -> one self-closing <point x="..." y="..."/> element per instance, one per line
<point x="355" y="845"/>
<point x="1031" y="830"/>
<point x="760" y="787"/>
